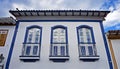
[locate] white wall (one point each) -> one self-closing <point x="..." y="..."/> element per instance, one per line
<point x="116" y="49"/>
<point x="44" y="62"/>
<point x="5" y="49"/>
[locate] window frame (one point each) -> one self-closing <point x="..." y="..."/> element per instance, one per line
<point x="61" y="57"/>
<point x="31" y="57"/>
<point x="87" y="56"/>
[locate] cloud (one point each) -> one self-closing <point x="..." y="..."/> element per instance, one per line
<point x="60" y="4"/>
<point x="113" y="19"/>
<point x="20" y="6"/>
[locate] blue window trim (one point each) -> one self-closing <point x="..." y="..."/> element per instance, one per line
<point x="55" y="27"/>
<point x="26" y="35"/>
<point x="92" y="34"/>
<point x="17" y="26"/>
<point x="27" y="31"/>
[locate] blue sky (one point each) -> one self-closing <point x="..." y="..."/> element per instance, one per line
<point x="112" y="21"/>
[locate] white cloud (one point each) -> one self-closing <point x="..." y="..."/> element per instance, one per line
<point x="113" y="18"/>
<point x="59" y="4"/>
<point x="20" y="6"/>
<point x="39" y="4"/>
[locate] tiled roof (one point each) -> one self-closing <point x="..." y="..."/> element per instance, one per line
<point x="7" y="21"/>
<point x="95" y="13"/>
<point x="113" y="34"/>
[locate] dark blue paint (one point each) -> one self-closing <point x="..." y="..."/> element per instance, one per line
<point x="106" y="46"/>
<point x="12" y="46"/>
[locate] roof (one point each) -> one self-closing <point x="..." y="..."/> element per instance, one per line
<point x="113" y="34"/>
<point x="7" y="21"/>
<point x="18" y="13"/>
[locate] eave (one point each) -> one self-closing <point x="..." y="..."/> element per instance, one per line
<point x="93" y="13"/>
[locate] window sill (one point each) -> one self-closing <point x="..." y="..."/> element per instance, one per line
<point x="59" y="58"/>
<point x="29" y="58"/>
<point x="89" y="58"/>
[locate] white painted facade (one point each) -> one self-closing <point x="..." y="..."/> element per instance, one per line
<point x="5" y="49"/>
<point x="116" y="48"/>
<point x="73" y="62"/>
<point x="47" y="22"/>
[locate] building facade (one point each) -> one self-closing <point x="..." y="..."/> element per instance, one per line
<point x="59" y="39"/>
<point x="7" y="26"/>
<point x="113" y="37"/>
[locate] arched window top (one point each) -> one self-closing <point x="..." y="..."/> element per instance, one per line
<point x="84" y="26"/>
<point x="59" y="26"/>
<point x="33" y="34"/>
<point x="85" y="34"/>
<point x="34" y="26"/>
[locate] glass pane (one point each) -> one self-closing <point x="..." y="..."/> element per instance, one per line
<point x="62" y="50"/>
<point x="81" y="33"/>
<point x="88" y="40"/>
<point x="37" y="37"/>
<point x="81" y="39"/>
<point x="83" y="51"/>
<point x="30" y="37"/>
<point x="35" y="48"/>
<point x="59" y="35"/>
<point x="90" y="50"/>
<point x="28" y="50"/>
<point x="55" y="50"/>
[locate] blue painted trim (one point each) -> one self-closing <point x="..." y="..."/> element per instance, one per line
<point x="106" y="46"/>
<point x="92" y="34"/>
<point x="58" y="43"/>
<point x="51" y="42"/>
<point x="40" y="41"/>
<point x="55" y="27"/>
<point x="67" y="51"/>
<point x="59" y="21"/>
<point x="78" y="40"/>
<point x="87" y="43"/>
<point x="12" y="45"/>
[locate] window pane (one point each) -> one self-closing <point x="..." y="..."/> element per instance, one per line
<point x="30" y="37"/>
<point x="59" y="35"/>
<point x="90" y="50"/>
<point x="55" y="50"/>
<point x="35" y="49"/>
<point x="37" y="37"/>
<point x="81" y="39"/>
<point x="83" y="51"/>
<point x="88" y="40"/>
<point x="62" y="50"/>
<point x="28" y="50"/>
<point x="81" y="33"/>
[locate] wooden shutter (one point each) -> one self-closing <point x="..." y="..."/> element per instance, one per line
<point x="3" y="36"/>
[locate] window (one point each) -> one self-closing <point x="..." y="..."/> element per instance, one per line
<point x="3" y="36"/>
<point x="32" y="43"/>
<point x="59" y="43"/>
<point x="86" y="43"/>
